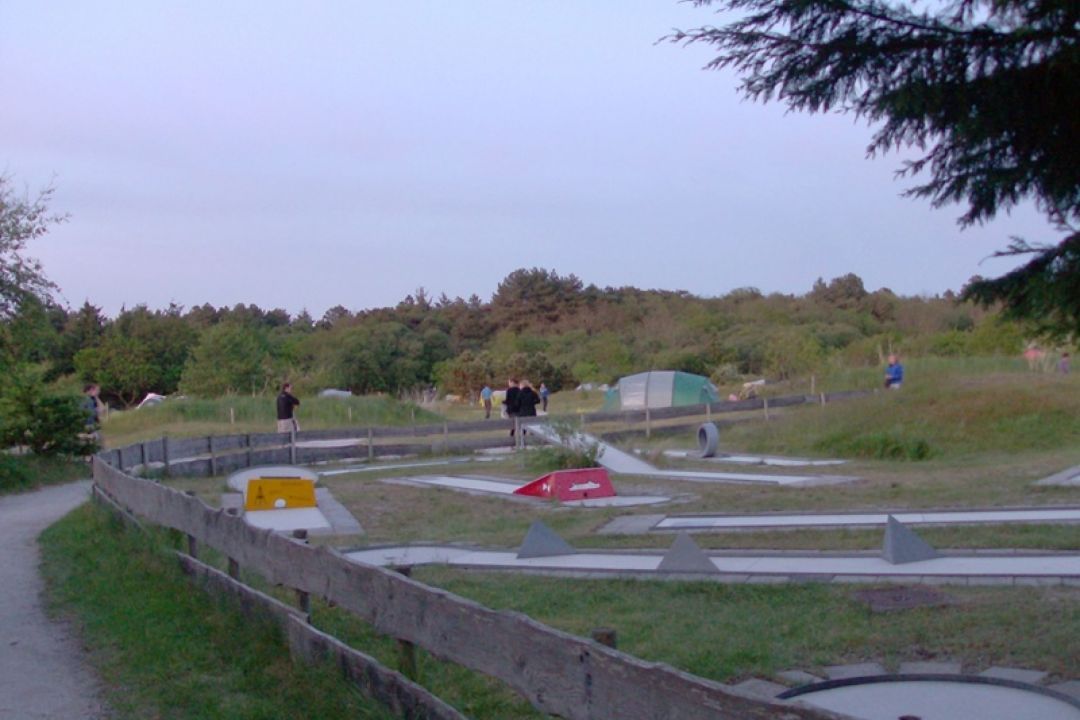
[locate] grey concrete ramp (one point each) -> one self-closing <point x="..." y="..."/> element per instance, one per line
<point x="1065" y="478"/>
<point x="686" y="557"/>
<point x="902" y="545"/>
<point x="541" y="541"/>
<point x="624" y="463"/>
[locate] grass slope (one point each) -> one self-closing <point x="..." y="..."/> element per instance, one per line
<point x="166" y="650"/>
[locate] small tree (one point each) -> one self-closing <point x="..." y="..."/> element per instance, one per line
<point x="22" y="219"/>
<point x="45" y="423"/>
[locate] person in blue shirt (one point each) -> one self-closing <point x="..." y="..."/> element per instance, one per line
<point x="894" y="374"/>
<point x="485" y="396"/>
<point x="544" y="392"/>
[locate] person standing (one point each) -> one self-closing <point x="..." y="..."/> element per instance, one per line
<point x="91" y="405"/>
<point x="544" y="392"/>
<point x="527" y="400"/>
<point x="510" y="401"/>
<point x="286" y="402"/>
<point x="1063" y="364"/>
<point x="894" y="374"/>
<point x="485" y="397"/>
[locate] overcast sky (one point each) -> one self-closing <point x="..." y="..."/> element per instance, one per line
<point x="310" y="154"/>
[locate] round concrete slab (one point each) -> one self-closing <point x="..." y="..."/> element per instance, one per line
<point x="937" y="698"/>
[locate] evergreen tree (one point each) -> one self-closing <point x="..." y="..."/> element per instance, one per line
<point x="989" y="89"/>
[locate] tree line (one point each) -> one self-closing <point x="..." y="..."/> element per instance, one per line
<point x="538" y="324"/>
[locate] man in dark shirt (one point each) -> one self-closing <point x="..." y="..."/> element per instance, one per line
<point x="286" y="401"/>
<point x="510" y="401"/>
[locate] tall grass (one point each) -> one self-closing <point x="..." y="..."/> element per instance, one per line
<point x="946" y="408"/>
<point x="167" y="650"/>
<point x="236" y="414"/>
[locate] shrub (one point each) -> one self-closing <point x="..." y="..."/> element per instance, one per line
<point x="882" y="445"/>
<point x="46" y="423"/>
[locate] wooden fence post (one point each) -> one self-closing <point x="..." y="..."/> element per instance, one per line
<point x="292" y="445"/>
<point x="370" y="444"/>
<point x="822" y="398"/>
<point x="165" y="451"/>
<point x="303" y="598"/>
<point x="192" y="541"/>
<point x="232" y="416"/>
<point x="142" y="456"/>
<point x="765" y="404"/>
<point x="213" y="457"/>
<point x="648" y="423"/>
<point x="446" y="437"/>
<point x="247" y="445"/>
<point x="406" y="649"/>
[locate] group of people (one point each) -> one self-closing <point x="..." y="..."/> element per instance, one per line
<point x="520" y="399"/>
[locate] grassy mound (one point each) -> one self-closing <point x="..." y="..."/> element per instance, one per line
<point x="942" y="411"/>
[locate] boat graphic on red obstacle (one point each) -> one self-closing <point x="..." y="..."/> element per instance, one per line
<point x="581" y="484"/>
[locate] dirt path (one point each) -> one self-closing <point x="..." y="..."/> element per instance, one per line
<point x="42" y="669"/>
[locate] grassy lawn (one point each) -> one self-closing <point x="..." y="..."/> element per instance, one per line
<point x="188" y="417"/>
<point x="166" y="650"/>
<point x="730" y="632"/>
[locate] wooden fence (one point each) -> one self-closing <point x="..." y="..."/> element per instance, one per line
<point x="223" y="454"/>
<point x="560" y="674"/>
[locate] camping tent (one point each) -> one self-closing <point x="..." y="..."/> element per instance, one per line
<point x="659" y="389"/>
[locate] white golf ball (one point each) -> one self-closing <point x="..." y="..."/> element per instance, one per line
<point x="279" y="503"/>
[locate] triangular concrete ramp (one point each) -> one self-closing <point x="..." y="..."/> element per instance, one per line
<point x="686" y="557"/>
<point x="541" y="541"/>
<point x="902" y="545"/>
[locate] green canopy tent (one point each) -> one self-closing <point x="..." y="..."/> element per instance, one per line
<point x="659" y="389"/>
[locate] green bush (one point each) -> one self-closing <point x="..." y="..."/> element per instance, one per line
<point x="882" y="445"/>
<point x="45" y="423"/>
<point x="14" y="474"/>
<point x="572" y="454"/>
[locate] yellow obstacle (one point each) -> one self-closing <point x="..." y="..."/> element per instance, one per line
<point x="276" y="493"/>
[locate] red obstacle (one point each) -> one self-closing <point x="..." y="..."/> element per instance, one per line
<point x="570" y="485"/>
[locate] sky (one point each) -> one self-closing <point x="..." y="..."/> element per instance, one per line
<point x="303" y="155"/>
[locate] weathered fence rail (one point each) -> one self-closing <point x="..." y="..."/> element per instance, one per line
<point x="559" y="673"/>
<point x="219" y="454"/>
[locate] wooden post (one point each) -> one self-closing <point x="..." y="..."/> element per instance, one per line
<point x="370" y="444"/>
<point x="165" y="451"/>
<point x="234" y="569"/>
<point x="605" y="636"/>
<point x="213" y="458"/>
<point x="247" y="444"/>
<point x="765" y="404"/>
<point x="822" y="398"/>
<point x="812" y="380"/>
<point x="192" y="543"/>
<point x="517" y="432"/>
<point x="406" y="649"/>
<point x="232" y="416"/>
<point x="142" y="456"/>
<point x="446" y="437"/>
<point x="708" y="412"/>
<point x="292" y="445"/>
<point x="648" y="423"/>
<point x="348" y="408"/>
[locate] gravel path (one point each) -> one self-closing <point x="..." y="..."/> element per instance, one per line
<point x="42" y="668"/>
